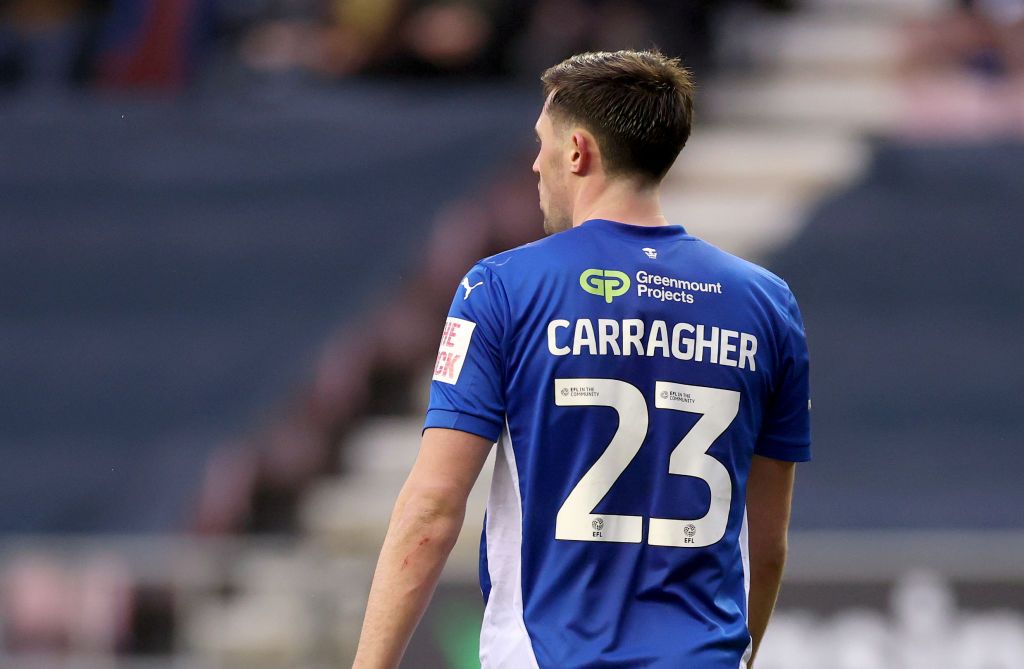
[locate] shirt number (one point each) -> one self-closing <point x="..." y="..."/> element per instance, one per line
<point x="717" y="408"/>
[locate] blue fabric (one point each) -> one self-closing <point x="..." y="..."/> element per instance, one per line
<point x="598" y="602"/>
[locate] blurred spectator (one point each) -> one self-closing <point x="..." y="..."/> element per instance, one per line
<point x="115" y="43"/>
<point x="51" y="606"/>
<point x="154" y="43"/>
<point x="388" y="37"/>
<point x="472" y="37"/>
<point x="334" y="38"/>
<point x="965" y="71"/>
<point x="48" y="43"/>
<point x="980" y="36"/>
<point x="1005" y="20"/>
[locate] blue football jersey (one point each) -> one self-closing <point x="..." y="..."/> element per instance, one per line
<point x="631" y="373"/>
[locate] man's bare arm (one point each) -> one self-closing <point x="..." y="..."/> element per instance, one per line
<point x="769" y="497"/>
<point x="424" y="526"/>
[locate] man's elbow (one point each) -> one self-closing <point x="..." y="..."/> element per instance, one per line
<point x="433" y="514"/>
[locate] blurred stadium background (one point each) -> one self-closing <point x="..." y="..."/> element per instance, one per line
<point x="230" y="229"/>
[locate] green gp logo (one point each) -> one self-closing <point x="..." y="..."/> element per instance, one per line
<point x="607" y="282"/>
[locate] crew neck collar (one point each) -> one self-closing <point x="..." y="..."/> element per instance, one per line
<point x="636" y="230"/>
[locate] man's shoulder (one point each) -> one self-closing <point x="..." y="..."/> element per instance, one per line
<point x="526" y="256"/>
<point x="743" y="269"/>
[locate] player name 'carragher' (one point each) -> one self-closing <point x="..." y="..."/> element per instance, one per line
<point x="632" y="336"/>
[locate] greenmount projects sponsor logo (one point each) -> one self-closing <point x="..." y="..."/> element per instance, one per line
<point x="611" y="283"/>
<point x="607" y="283"/>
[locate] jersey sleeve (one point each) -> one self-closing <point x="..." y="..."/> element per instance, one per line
<point x="466" y="392"/>
<point x="786" y="426"/>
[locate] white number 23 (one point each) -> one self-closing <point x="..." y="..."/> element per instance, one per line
<point x="718" y="408"/>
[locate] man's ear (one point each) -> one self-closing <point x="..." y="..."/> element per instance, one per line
<point x="582" y="147"/>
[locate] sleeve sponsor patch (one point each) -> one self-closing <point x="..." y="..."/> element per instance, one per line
<point x="452" y="353"/>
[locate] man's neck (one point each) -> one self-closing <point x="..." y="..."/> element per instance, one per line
<point x="619" y="200"/>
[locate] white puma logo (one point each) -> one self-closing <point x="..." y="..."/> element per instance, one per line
<point x="469" y="288"/>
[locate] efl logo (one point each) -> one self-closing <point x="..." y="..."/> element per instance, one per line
<point x="452" y="352"/>
<point x="609" y="283"/>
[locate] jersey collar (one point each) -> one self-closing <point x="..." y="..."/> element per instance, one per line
<point x="644" y="231"/>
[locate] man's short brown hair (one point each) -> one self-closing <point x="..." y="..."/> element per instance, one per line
<point x="638" y="105"/>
